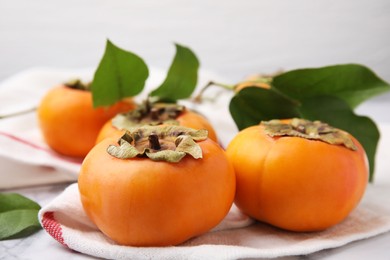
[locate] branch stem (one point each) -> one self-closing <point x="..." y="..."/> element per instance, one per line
<point x="18" y="113"/>
<point x="198" y="98"/>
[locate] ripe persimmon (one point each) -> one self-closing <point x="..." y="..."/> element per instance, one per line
<point x="158" y="187"/>
<point x="257" y="80"/>
<point x="298" y="175"/>
<point x="68" y="121"/>
<point x="156" y="114"/>
<point x="248" y="84"/>
<point x="254" y="81"/>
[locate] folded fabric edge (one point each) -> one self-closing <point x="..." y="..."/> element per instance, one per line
<point x="60" y="233"/>
<point x="37" y="147"/>
<point x="52" y="227"/>
<point x="114" y="251"/>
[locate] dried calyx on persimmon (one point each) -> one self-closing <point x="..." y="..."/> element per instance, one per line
<point x="168" y="143"/>
<point x="313" y="130"/>
<point x="156" y="114"/>
<point x="149" y="114"/>
<point x="78" y="84"/>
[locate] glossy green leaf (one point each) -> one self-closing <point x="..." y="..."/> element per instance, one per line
<point x="11" y="201"/>
<point x="120" y="74"/>
<point x="353" y="83"/>
<point x="182" y="76"/>
<point x="252" y="105"/>
<point x="18" y="216"/>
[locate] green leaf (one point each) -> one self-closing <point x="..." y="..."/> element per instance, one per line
<point x="12" y="201"/>
<point x="18" y="223"/>
<point x="120" y="74"/>
<point x="353" y="83"/>
<point x="18" y="216"/>
<point x="337" y="113"/>
<point x="182" y="76"/>
<point x="252" y="105"/>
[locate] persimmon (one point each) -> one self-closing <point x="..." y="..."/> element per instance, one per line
<point x="297" y="174"/>
<point x="68" y="121"/>
<point x="247" y="84"/>
<point x="258" y="81"/>
<point x="156" y="114"/>
<point x="158" y="186"/>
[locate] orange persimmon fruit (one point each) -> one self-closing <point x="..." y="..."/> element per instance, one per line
<point x="139" y="201"/>
<point x="68" y="121"/>
<point x="257" y="80"/>
<point x="248" y="84"/>
<point x="298" y="175"/>
<point x="164" y="114"/>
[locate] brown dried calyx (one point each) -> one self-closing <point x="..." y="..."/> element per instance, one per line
<point x="313" y="130"/>
<point x="78" y="84"/>
<point x="149" y="114"/>
<point x="159" y="143"/>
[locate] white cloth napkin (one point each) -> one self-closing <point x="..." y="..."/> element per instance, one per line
<point x="237" y="236"/>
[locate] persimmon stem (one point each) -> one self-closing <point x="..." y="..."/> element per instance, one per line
<point x="78" y="84"/>
<point x="198" y="98"/>
<point x="154" y="114"/>
<point x="19" y="113"/>
<point x="154" y="142"/>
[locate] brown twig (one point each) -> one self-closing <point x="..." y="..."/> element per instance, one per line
<point x="18" y="113"/>
<point x="198" y="98"/>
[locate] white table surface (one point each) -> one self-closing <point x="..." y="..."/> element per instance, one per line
<point x="232" y="38"/>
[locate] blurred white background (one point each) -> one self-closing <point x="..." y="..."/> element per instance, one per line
<point x="231" y="38"/>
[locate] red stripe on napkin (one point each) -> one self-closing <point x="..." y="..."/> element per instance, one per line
<point x="53" y="227"/>
<point x="37" y="147"/>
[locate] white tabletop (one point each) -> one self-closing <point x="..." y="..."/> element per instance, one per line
<point x="231" y="38"/>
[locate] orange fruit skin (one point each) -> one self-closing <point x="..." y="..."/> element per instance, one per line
<point x="108" y="130"/>
<point x="294" y="183"/>
<point x="140" y="202"/>
<point x="187" y="118"/>
<point x="194" y="120"/>
<point x="68" y="121"/>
